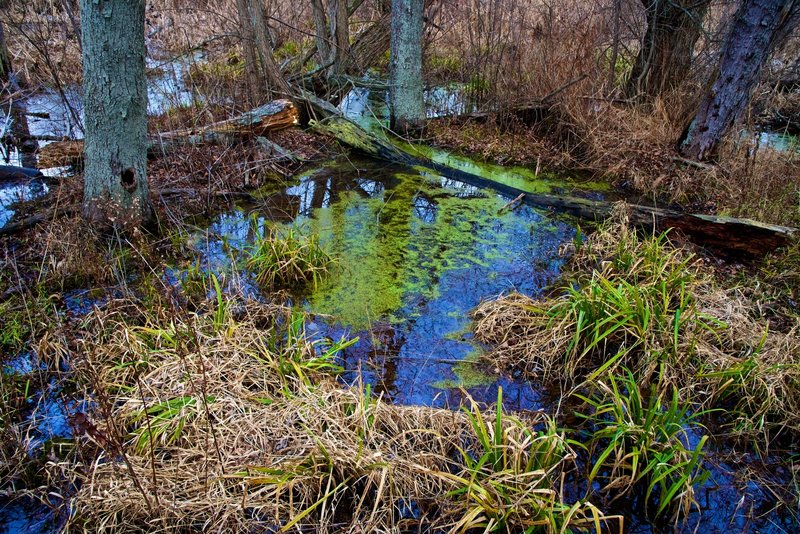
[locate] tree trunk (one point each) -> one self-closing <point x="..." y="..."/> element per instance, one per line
<point x="369" y="45"/>
<point x="115" y="106"/>
<point x="255" y="84"/>
<point x="20" y="135"/>
<point x="277" y="86"/>
<point x="5" y="61"/>
<point x="405" y="92"/>
<point x="759" y="26"/>
<point x="340" y="32"/>
<point x="665" y="57"/>
<point x="257" y="41"/>
<point x="321" y="28"/>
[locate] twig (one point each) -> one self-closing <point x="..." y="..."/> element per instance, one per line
<point x="693" y="163"/>
<point x="512" y="205"/>
<point x="33" y="220"/>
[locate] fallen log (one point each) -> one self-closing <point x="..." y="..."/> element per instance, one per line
<point x="33" y="220"/>
<point x="11" y="172"/>
<point x="276" y="115"/>
<point x="721" y="233"/>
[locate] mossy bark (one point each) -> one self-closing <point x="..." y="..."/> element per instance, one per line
<point x="115" y="108"/>
<point x="405" y="92"/>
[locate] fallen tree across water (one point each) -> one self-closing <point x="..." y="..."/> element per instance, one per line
<point x="722" y="233"/>
<point x="276" y="115"/>
<point x="12" y="173"/>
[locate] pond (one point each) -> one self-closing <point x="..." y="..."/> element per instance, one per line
<point x="416" y="253"/>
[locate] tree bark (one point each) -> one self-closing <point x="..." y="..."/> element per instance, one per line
<point x="759" y="26"/>
<point x="665" y="57"/>
<point x="405" y="92"/>
<point x="265" y="80"/>
<point x="20" y="135"/>
<point x="340" y="32"/>
<point x="115" y="107"/>
<point x="321" y="29"/>
<point x="255" y="84"/>
<point x="5" y="61"/>
<point x="277" y="86"/>
<point x="368" y="46"/>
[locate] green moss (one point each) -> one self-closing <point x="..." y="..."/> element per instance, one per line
<point x="444" y="64"/>
<point x="23" y="317"/>
<point x="232" y="69"/>
<point x="622" y="67"/>
<point x="469" y="374"/>
<point x="517" y="177"/>
<point x="287" y="50"/>
<point x="14" y="329"/>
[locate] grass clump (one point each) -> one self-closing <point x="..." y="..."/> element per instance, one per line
<point x="647" y="305"/>
<point x="631" y="303"/>
<point x="283" y="257"/>
<point x="245" y="428"/>
<point x="510" y="472"/>
<point x="642" y="440"/>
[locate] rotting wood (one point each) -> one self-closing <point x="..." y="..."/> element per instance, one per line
<point x="722" y="233"/>
<point x="276" y="115"/>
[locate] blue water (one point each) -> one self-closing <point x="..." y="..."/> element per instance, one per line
<point x="417" y="253"/>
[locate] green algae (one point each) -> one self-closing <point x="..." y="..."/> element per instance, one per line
<point x="468" y="373"/>
<point x="393" y="249"/>
<point x="518" y="177"/>
<point x="522" y="178"/>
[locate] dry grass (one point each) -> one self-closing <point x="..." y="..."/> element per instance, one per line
<point x="710" y="342"/>
<point x="235" y="424"/>
<point x="749" y="369"/>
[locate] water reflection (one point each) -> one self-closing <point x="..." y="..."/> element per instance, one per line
<point x="417" y="252"/>
<point x="18" y="191"/>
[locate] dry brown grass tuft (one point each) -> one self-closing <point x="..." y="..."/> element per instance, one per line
<point x="228" y="424"/>
<point x="750" y="369"/>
